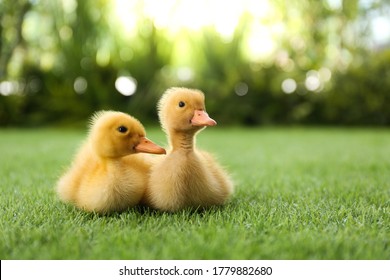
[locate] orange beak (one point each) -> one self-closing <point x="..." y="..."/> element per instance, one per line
<point x="201" y="118"/>
<point x="147" y="146"/>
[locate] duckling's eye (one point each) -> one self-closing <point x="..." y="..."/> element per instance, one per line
<point x="181" y="104"/>
<point x="122" y="129"/>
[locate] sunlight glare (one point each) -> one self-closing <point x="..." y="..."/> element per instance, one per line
<point x="175" y="15"/>
<point x="224" y="16"/>
<point x="380" y="28"/>
<point x="260" y="43"/>
<point x="126" y="13"/>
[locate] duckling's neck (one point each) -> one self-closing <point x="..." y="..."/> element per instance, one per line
<point x="182" y="140"/>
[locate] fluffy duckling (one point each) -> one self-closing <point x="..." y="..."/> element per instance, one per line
<point x="107" y="175"/>
<point x="186" y="177"/>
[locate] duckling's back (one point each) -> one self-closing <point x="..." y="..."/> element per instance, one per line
<point x="68" y="185"/>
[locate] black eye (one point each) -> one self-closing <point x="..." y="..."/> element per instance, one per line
<point x="181" y="104"/>
<point x="122" y="129"/>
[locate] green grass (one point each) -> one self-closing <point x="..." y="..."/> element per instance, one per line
<point x="301" y="193"/>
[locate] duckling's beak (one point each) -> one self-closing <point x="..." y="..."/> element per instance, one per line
<point x="147" y="146"/>
<point x="201" y="118"/>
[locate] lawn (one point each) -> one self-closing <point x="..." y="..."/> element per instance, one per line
<point x="301" y="193"/>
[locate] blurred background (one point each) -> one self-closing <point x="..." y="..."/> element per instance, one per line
<point x="260" y="62"/>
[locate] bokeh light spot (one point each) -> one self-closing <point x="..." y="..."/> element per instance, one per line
<point x="241" y="89"/>
<point x="8" y="87"/>
<point x="289" y="86"/>
<point x="185" y="74"/>
<point x="312" y="81"/>
<point x="126" y="85"/>
<point x="80" y="85"/>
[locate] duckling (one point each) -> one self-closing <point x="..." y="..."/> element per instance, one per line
<point x="107" y="174"/>
<point x="186" y="177"/>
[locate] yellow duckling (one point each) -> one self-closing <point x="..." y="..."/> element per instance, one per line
<point x="107" y="175"/>
<point x="186" y="177"/>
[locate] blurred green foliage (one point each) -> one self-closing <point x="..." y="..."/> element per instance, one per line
<point x="60" y="61"/>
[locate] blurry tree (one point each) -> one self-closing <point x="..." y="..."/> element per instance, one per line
<point x="298" y="62"/>
<point x="361" y="95"/>
<point x="151" y="52"/>
<point x="11" y="20"/>
<point x="12" y="15"/>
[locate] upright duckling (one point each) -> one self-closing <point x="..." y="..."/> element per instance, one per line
<point x="107" y="175"/>
<point x="186" y="177"/>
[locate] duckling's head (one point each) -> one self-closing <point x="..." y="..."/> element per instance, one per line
<point x="116" y="134"/>
<point x="183" y="110"/>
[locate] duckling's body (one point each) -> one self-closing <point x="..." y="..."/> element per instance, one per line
<point x="186" y="177"/>
<point x="107" y="175"/>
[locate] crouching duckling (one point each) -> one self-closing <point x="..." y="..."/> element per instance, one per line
<point x="107" y="173"/>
